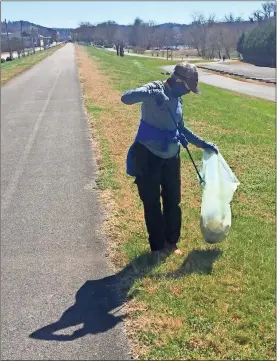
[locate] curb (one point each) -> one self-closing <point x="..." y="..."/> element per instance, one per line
<point x="236" y="74"/>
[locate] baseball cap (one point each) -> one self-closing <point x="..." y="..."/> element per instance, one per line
<point x="188" y="73"/>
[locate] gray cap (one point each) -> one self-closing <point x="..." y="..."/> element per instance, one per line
<point x="188" y="73"/>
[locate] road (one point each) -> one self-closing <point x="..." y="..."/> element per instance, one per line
<point x="53" y="255"/>
<point x="249" y="70"/>
<point x="256" y="90"/>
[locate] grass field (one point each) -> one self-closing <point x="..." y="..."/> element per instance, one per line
<point x="10" y="69"/>
<point x="217" y="302"/>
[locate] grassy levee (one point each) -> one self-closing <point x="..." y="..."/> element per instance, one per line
<point x="217" y="302"/>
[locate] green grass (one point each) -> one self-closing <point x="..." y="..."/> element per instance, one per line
<point x="10" y="69"/>
<point x="218" y="303"/>
<point x="107" y="168"/>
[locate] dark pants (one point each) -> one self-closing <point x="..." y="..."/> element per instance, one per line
<point x="159" y="177"/>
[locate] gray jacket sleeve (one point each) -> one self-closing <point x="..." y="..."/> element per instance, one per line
<point x="190" y="136"/>
<point x="141" y="94"/>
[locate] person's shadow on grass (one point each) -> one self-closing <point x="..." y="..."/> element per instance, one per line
<point x="97" y="299"/>
<point x="197" y="261"/>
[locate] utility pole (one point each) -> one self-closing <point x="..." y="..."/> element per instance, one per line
<point x="38" y="40"/>
<point x="32" y="39"/>
<point x="22" y="40"/>
<point x="9" y="44"/>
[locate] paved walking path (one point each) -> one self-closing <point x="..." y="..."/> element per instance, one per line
<point x="244" y="70"/>
<point x="53" y="259"/>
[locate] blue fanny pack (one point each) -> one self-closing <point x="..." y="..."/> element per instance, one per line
<point x="148" y="132"/>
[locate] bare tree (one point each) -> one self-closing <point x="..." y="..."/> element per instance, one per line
<point x="176" y="36"/>
<point x="186" y="37"/>
<point x="209" y="37"/>
<point x="8" y="39"/>
<point x="108" y="31"/>
<point x="268" y="9"/>
<point x="148" y="32"/>
<point x="214" y="44"/>
<point x="160" y="37"/>
<point x="136" y="34"/>
<point x="122" y="34"/>
<point x="227" y="41"/>
<point x="142" y="35"/>
<point x="230" y="18"/>
<point x="84" y="33"/>
<point x="199" y="30"/>
<point x="85" y="24"/>
<point x="257" y="15"/>
<point x="22" y="39"/>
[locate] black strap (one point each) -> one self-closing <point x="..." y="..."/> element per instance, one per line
<point x="172" y="117"/>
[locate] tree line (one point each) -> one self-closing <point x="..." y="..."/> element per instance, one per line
<point x="210" y="37"/>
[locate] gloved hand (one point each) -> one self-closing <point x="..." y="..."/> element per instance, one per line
<point x="210" y="146"/>
<point x="161" y="98"/>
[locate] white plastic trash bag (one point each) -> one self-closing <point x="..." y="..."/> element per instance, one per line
<point x="219" y="186"/>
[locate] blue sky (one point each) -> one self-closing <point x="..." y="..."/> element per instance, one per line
<point x="71" y="13"/>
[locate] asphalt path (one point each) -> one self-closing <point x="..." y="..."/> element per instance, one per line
<point x="58" y="290"/>
<point x="248" y="70"/>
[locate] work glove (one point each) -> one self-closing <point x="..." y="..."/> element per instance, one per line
<point x="161" y="98"/>
<point x="210" y="146"/>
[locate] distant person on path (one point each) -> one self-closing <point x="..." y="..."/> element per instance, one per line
<point x="154" y="157"/>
